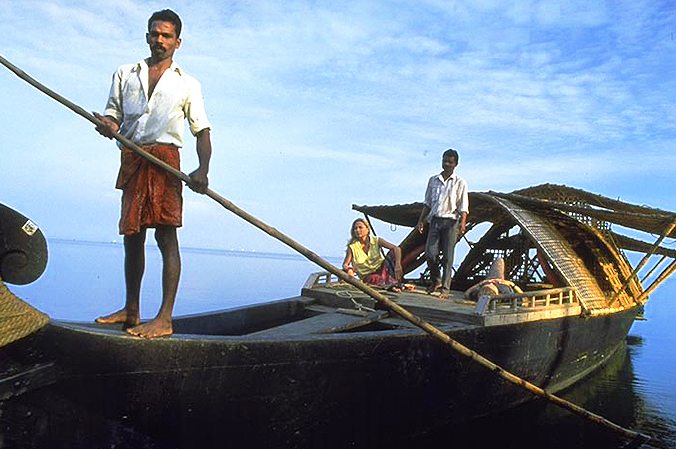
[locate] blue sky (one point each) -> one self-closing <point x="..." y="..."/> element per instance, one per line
<point x="318" y="105"/>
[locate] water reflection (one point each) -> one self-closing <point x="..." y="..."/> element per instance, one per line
<point x="610" y="392"/>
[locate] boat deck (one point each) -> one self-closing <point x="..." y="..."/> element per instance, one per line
<point x="418" y="302"/>
<point x="329" y="306"/>
<point x="454" y="310"/>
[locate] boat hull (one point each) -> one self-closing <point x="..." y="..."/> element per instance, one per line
<point x="327" y="390"/>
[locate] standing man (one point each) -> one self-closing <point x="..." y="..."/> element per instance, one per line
<point x="445" y="209"/>
<point x="148" y="104"/>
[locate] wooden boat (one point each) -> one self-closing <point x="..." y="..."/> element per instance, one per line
<point x="329" y="367"/>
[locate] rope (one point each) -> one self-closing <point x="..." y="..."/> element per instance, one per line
<point x="17" y="318"/>
<point x="357" y="305"/>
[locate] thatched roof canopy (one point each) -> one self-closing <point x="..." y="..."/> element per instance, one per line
<point x="549" y="197"/>
<point x="567" y="199"/>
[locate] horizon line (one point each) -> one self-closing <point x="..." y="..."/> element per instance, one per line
<point x="232" y="251"/>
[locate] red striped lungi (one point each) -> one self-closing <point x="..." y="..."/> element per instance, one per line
<point x="151" y="196"/>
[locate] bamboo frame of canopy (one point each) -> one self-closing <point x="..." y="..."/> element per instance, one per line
<point x="654" y="268"/>
<point x="636" y="437"/>
<point x="661" y="278"/>
<point x="644" y="260"/>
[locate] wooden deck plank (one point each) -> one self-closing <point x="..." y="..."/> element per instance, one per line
<point x="324" y="323"/>
<point x="454" y="309"/>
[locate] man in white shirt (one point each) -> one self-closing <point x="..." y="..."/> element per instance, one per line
<point x="148" y="103"/>
<point x="445" y="211"/>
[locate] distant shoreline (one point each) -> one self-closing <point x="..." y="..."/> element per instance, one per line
<point x="222" y="252"/>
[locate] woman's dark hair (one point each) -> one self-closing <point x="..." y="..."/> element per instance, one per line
<point x="167" y="15"/>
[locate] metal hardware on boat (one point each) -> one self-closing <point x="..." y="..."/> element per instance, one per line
<point x="359" y="306"/>
<point x="352" y="312"/>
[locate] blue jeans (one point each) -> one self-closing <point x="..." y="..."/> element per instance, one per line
<point x="439" y="250"/>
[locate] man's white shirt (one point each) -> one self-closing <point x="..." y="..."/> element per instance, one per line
<point x="176" y="96"/>
<point x="446" y="198"/>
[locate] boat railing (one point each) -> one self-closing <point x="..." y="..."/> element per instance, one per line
<point x="527" y="301"/>
<point x="323" y="278"/>
<point x="498" y="309"/>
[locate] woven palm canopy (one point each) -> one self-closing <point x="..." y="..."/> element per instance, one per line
<point x="589" y="206"/>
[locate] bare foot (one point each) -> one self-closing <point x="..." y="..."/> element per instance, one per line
<point x="433" y="288"/>
<point x="152" y="329"/>
<point x="120" y="316"/>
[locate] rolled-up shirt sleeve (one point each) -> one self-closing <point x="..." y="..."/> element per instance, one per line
<point x="194" y="109"/>
<point x="463" y="200"/>
<point x="114" y="105"/>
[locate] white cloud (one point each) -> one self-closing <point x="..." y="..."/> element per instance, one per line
<point x="311" y="97"/>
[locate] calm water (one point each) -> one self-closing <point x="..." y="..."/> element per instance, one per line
<point x="84" y="280"/>
<point x="635" y="390"/>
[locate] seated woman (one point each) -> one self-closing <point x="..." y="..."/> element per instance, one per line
<point x="363" y="256"/>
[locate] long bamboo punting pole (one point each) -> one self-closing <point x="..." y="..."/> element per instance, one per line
<point x="637" y="438"/>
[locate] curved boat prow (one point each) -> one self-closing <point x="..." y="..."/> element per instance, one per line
<point x="23" y="248"/>
<point x="23" y="258"/>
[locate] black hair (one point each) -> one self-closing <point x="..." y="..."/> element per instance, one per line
<point x="451" y="152"/>
<point x="167" y="15"/>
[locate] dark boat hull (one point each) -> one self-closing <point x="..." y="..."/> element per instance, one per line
<point x="314" y="390"/>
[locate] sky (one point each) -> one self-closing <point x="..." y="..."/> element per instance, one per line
<point x="318" y="105"/>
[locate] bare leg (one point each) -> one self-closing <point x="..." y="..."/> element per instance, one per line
<point x="171" y="272"/>
<point x="134" y="265"/>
